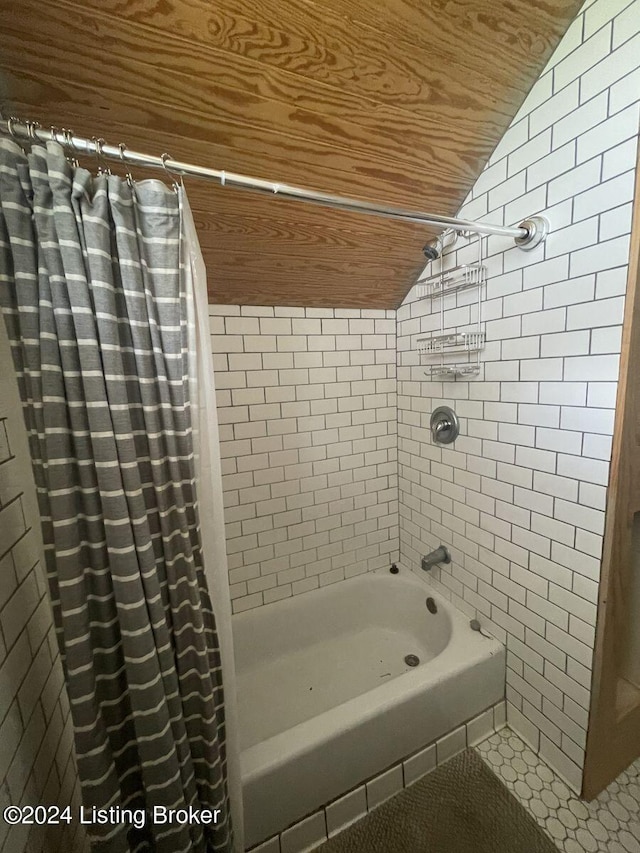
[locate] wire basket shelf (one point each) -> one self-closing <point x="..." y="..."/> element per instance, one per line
<point x="451" y="281"/>
<point x="451" y="371"/>
<point x="451" y="342"/>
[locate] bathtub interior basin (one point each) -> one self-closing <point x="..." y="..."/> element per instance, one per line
<point x="314" y="652"/>
<point x="326" y="699"/>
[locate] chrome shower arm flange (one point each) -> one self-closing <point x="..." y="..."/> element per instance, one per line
<point x="537" y="229"/>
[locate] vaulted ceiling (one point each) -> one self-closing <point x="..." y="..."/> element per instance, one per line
<point x="395" y="101"/>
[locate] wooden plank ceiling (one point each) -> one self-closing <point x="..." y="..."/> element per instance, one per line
<point x="396" y="101"/>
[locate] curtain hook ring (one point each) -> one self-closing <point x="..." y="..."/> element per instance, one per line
<point x="10" y="122"/>
<point x="105" y="165"/>
<point x="103" y="168"/>
<point x="164" y="157"/>
<point x="70" y="143"/>
<point x="96" y="152"/>
<point x="128" y="174"/>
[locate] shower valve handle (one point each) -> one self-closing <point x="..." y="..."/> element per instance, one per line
<point x="444" y="424"/>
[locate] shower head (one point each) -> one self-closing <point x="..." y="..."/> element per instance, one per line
<point x="430" y="252"/>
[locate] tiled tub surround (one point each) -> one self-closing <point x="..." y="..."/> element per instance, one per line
<point x="313" y="830"/>
<point x="327" y="700"/>
<point x="520" y="497"/>
<point x="307" y="412"/>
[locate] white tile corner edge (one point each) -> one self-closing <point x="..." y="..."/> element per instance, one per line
<point x="480" y="728"/>
<point x="305" y="835"/>
<point x="451" y="744"/>
<point x="384" y="786"/>
<point x="346" y="810"/>
<point x="270" y="846"/>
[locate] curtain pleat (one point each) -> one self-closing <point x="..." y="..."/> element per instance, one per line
<point x="96" y="311"/>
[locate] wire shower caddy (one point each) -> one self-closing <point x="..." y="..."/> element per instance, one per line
<point x="449" y="344"/>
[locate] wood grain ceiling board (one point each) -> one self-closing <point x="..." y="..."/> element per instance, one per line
<point x="399" y="102"/>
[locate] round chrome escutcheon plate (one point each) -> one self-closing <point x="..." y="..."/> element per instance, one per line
<point x="444" y="424"/>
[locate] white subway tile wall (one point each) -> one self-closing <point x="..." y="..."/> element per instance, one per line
<point x="37" y="762"/>
<point x="308" y="421"/>
<point x="519" y="498"/>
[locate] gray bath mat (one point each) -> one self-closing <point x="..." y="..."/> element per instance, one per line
<point x="461" y="807"/>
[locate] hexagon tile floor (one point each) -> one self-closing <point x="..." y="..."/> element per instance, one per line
<point x="609" y="824"/>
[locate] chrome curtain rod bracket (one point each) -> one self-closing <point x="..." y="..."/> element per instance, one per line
<point x="527" y="235"/>
<point x="537" y="228"/>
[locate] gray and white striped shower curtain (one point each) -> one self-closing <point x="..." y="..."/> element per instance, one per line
<point x="99" y="318"/>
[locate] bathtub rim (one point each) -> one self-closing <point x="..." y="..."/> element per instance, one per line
<point x="308" y="735"/>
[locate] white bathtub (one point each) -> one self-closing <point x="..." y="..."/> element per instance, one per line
<point x="326" y="699"/>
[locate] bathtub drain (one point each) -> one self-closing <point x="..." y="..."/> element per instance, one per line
<point x="412" y="660"/>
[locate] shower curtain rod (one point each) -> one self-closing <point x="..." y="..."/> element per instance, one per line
<point x="528" y="234"/>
